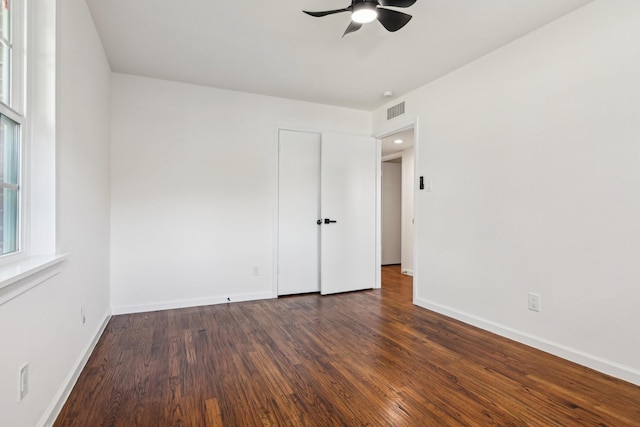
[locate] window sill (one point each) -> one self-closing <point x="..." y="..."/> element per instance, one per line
<point x="20" y="276"/>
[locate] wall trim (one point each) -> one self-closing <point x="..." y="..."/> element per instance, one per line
<point x="169" y="305"/>
<point x="605" y="366"/>
<point x="61" y="397"/>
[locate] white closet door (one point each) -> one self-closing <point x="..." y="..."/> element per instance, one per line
<point x="348" y="196"/>
<point x="298" y="211"/>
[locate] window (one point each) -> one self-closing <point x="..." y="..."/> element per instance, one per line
<point x="9" y="184"/>
<point x="11" y="123"/>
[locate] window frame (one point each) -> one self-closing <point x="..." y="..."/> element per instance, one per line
<point x="15" y="111"/>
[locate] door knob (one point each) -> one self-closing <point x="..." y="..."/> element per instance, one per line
<point x="328" y="221"/>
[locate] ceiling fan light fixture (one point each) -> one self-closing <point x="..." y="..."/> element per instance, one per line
<point x="364" y="12"/>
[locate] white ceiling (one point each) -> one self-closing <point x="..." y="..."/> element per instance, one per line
<point x="390" y="147"/>
<point x="272" y="48"/>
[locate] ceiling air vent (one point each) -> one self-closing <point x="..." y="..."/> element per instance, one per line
<point x="395" y="111"/>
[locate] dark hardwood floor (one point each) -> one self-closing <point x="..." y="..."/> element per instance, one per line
<point x="367" y="358"/>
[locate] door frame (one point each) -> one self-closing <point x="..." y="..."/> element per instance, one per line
<point x="401" y="125"/>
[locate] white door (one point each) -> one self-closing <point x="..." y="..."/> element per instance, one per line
<point x="348" y="196"/>
<point x="333" y="178"/>
<point x="298" y="211"/>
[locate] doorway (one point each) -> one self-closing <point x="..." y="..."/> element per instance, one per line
<point x="397" y="193"/>
<point x="391" y="215"/>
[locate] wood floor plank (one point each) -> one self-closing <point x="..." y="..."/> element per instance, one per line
<point x="368" y="358"/>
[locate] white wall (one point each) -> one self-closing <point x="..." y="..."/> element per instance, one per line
<point x="194" y="189"/>
<point x="391" y="212"/>
<point x="534" y="155"/>
<point x="83" y="149"/>
<point x="42" y="326"/>
<point x="407" y="211"/>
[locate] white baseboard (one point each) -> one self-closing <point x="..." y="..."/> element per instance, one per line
<point x="168" y="305"/>
<point x="63" y="394"/>
<point x="408" y="272"/>
<point x="599" y="364"/>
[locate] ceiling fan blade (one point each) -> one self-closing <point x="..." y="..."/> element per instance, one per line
<point x="327" y="12"/>
<point x="397" y="3"/>
<point x="392" y="20"/>
<point x="353" y="26"/>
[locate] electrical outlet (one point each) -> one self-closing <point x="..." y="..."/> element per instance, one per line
<point x="23" y="381"/>
<point x="534" y="301"/>
<point x="255" y="270"/>
<point x="83" y="315"/>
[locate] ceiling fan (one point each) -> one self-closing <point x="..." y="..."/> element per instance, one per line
<point x="364" y="11"/>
